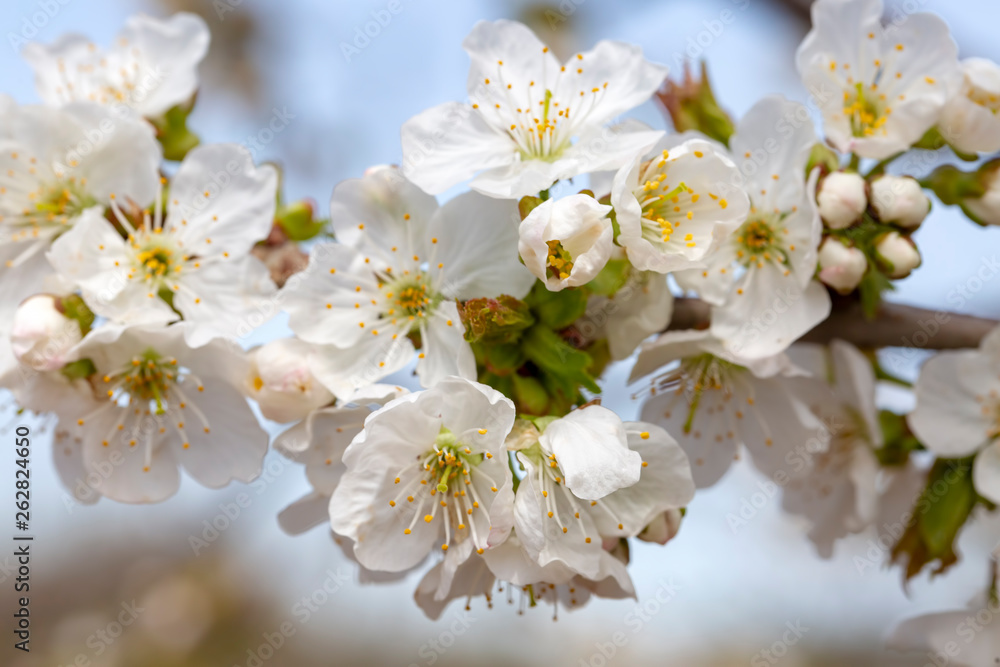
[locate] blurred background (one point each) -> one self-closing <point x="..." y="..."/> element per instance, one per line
<point x="127" y="586"/>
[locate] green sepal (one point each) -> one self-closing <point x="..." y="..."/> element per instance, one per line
<point x="173" y="134"/>
<point x="79" y="369"/>
<point x="556" y="310"/>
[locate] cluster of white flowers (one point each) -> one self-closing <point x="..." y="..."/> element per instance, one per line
<point x="128" y="284"/>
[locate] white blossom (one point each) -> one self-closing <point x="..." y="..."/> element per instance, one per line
<point x="566" y="242"/>
<point x="152" y="66"/>
<point x="958" y="410"/>
<point x="163" y="404"/>
<point x="969" y="121"/>
<point x="530" y="121"/>
<point x="716" y="403"/>
<point x="42" y="337"/>
<point x="672" y="203"/>
<point x="281" y="380"/>
<point x="400" y="264"/>
<point x="760" y="279"/>
<point x="428" y="473"/>
<point x="191" y="256"/>
<point x="879" y="89"/>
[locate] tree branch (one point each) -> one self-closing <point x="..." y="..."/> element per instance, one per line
<point x="895" y="325"/>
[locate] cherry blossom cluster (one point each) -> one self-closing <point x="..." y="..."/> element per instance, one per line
<point x="136" y="264"/>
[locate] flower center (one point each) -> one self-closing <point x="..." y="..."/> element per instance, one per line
<point x="694" y="376"/>
<point x="560" y="262"/>
<point x="665" y="206"/>
<point x="552" y="485"/>
<point x="155" y="257"/>
<point x="865" y="111"/>
<point x="530" y="113"/>
<point x="760" y="239"/>
<point x="149" y="379"/>
<point x="445" y="478"/>
<point x="411" y="297"/>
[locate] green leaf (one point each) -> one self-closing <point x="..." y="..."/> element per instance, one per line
<point x="950" y="497"/>
<point x="564" y="366"/>
<point x="173" y="134"/>
<point x="941" y="511"/>
<point x="556" y="310"/>
<point x="530" y="395"/>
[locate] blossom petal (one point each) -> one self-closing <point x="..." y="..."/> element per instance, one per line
<point x="592" y="450"/>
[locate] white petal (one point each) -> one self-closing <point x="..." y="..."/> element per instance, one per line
<point x="448" y="144"/>
<point x="774" y="138"/>
<point x="666" y="483"/>
<point x="947" y="419"/>
<point x="986" y="473"/>
<point x="592" y="451"/>
<point x="445" y="351"/>
<point x="234" y="446"/>
<point x="304" y="514"/>
<point x="770" y="314"/>
<point x="220" y="202"/>
<point x="382" y="211"/>
<point x="477" y="243"/>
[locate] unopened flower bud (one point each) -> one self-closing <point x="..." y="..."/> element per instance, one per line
<point x="566" y="242"/>
<point x="41" y="336"/>
<point x="841" y="266"/>
<point x="899" y="200"/>
<point x="663" y="528"/>
<point x="282" y="383"/>
<point x="841" y="199"/>
<point x="898" y="253"/>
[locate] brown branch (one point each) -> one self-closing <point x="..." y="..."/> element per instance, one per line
<point x="895" y="325"/>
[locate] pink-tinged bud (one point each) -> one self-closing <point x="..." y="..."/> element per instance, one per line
<point x="842" y="199"/>
<point x="281" y="380"/>
<point x="899" y="200"/>
<point x="840" y="266"/>
<point x="41" y="335"/>
<point x="898" y="254"/>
